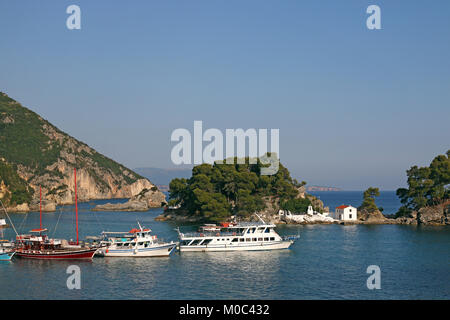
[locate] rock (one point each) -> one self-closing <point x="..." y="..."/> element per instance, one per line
<point x="371" y="217"/>
<point x="153" y="197"/>
<point x="130" y="205"/>
<point x="405" y="220"/>
<point x="143" y="201"/>
<point x="19" y="208"/>
<point x="435" y="215"/>
<point x="47" y="206"/>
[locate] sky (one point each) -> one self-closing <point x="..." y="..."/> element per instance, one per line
<point x="355" y="107"/>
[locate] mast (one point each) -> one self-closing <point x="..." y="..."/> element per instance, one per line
<point x="12" y="224"/>
<point x="76" y="204"/>
<point x="40" y="207"/>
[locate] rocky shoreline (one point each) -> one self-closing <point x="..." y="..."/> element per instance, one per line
<point x="145" y="200"/>
<point x="437" y="216"/>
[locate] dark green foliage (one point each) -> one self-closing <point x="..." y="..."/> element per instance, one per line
<point x="427" y="186"/>
<point x="368" y="203"/>
<point x="20" y="192"/>
<point x="215" y="192"/>
<point x="299" y="205"/>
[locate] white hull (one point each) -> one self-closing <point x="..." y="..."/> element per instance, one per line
<point x="238" y="247"/>
<point x="156" y="251"/>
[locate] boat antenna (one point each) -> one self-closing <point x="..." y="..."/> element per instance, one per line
<point x="12" y="224"/>
<point x="260" y="218"/>
<point x="139" y="226"/>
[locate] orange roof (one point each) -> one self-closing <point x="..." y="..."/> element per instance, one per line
<point x="342" y="207"/>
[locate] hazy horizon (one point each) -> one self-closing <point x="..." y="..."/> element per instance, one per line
<point x="355" y="107"/>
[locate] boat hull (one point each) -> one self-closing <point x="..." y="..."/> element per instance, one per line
<point x="86" y="254"/>
<point x="230" y="247"/>
<point x="157" y="251"/>
<point x="6" y="256"/>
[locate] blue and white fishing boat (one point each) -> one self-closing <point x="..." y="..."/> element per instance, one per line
<point x="134" y="243"/>
<point x="6" y="254"/>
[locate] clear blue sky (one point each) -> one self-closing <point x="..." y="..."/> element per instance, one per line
<point x="355" y="107"/>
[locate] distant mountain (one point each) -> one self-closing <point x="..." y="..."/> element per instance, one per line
<point x="322" y="188"/>
<point x="163" y="176"/>
<point x="34" y="153"/>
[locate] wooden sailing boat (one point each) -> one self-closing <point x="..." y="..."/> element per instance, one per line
<point x="37" y="245"/>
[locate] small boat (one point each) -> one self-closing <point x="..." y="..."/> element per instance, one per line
<point x="209" y="228"/>
<point x="242" y="236"/>
<point x="6" y="247"/>
<point x="37" y="245"/>
<point x="6" y="250"/>
<point x="6" y="256"/>
<point x="134" y="243"/>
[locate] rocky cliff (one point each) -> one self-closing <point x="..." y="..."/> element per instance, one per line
<point x="146" y="199"/>
<point x="430" y="215"/>
<point x="34" y="153"/>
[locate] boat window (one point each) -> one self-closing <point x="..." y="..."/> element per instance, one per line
<point x="248" y="239"/>
<point x="146" y="245"/>
<point x="185" y="242"/>
<point x="241" y="240"/>
<point x="206" y="241"/>
<point x="119" y="244"/>
<point x="260" y="229"/>
<point x="196" y="242"/>
<point x="254" y="239"/>
<point x="272" y="239"/>
<point x="267" y="230"/>
<point x="235" y="240"/>
<point x="141" y="243"/>
<point x="126" y="244"/>
<point x="260" y="239"/>
<point x="266" y="239"/>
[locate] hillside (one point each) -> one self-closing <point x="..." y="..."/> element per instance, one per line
<point x="35" y="153"/>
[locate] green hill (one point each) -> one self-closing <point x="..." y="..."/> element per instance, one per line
<point x="35" y="153"/>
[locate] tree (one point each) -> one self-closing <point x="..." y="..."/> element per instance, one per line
<point x="427" y="186"/>
<point x="368" y="203"/>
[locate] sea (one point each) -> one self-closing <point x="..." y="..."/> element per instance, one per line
<point x="326" y="262"/>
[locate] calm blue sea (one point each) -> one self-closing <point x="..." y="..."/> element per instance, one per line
<point x="327" y="262"/>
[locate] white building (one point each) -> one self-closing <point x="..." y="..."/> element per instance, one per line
<point x="346" y="213"/>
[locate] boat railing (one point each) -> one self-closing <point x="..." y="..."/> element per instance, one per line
<point x="211" y="234"/>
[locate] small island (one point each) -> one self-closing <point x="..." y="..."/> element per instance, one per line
<point x="221" y="192"/>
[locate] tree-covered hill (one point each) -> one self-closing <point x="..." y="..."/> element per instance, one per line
<point x="34" y="153"/>
<point x="216" y="192"/>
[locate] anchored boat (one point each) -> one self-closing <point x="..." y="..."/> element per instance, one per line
<point x="134" y="243"/>
<point x="6" y="250"/>
<point x="242" y="236"/>
<point x="6" y="247"/>
<point x="37" y="245"/>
